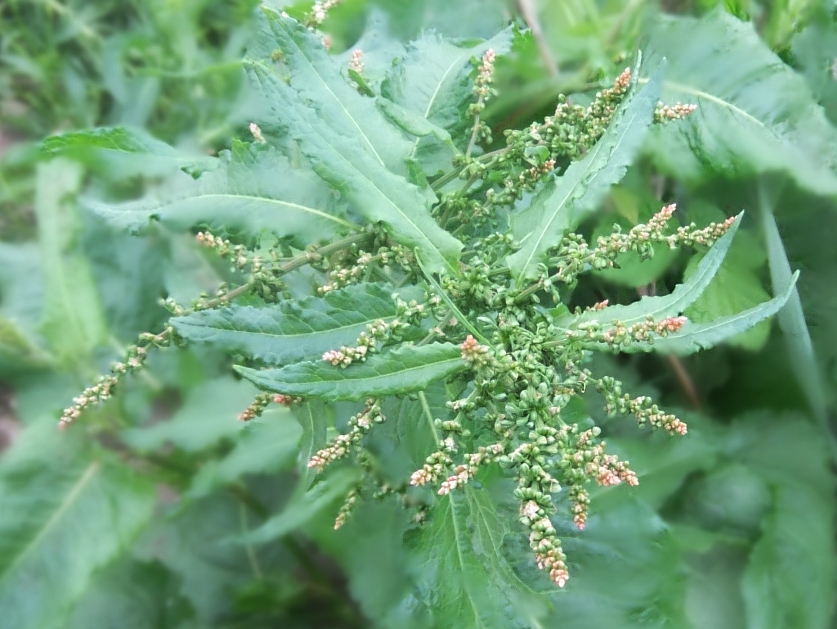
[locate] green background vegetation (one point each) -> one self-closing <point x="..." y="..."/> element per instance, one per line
<point x="142" y="515"/>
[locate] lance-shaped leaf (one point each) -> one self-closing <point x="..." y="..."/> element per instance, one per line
<point x="432" y="82"/>
<point x="319" y="82"/>
<point x="694" y="337"/>
<point x="754" y="113"/>
<point x="67" y="512"/>
<point x="340" y="152"/>
<point x="253" y="189"/>
<point x="402" y="370"/>
<point x="462" y="575"/>
<point x="293" y="330"/>
<point x="680" y="298"/>
<point x="562" y="204"/>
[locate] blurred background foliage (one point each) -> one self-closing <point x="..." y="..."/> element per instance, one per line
<point x="143" y="516"/>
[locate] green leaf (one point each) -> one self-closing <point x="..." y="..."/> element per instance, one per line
<point x="122" y="151"/>
<point x="680" y="298"/>
<point x="430" y="87"/>
<point x="735" y="287"/>
<point x="792" y="570"/>
<point x="401" y="370"/>
<point x="754" y="114"/>
<point x="562" y="204"/>
<point x="67" y="512"/>
<point x="316" y="78"/>
<point x="73" y="323"/>
<point x="694" y="337"/>
<point x="462" y="575"/>
<point x="264" y="446"/>
<point x="253" y="189"/>
<point x="293" y="330"/>
<point x="339" y="146"/>
<point x="207" y="416"/>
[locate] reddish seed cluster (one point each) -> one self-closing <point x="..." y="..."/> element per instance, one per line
<point x="485" y="75"/>
<point x="356" y="64"/>
<point x="667" y="113"/>
<point x="359" y="425"/>
<point x="473" y="352"/>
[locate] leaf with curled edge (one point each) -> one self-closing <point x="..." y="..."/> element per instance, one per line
<point x="402" y="370"/>
<point x="680" y="298"/>
<point x="338" y="146"/>
<point x="563" y="203"/>
<point x="694" y="337"/>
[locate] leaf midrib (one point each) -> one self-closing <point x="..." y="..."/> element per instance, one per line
<point x="68" y="501"/>
<point x="249" y="197"/>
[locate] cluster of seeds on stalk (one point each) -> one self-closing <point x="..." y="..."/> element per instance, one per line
<point x="135" y="357"/>
<point x="319" y="13"/>
<point x="408" y="315"/>
<point x="384" y="260"/>
<point x="359" y="425"/>
<point x="669" y="113"/>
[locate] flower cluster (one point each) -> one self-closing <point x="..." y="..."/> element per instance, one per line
<point x="643" y="407"/>
<point x="359" y="425"/>
<point x="620" y="336"/>
<point x="384" y="260"/>
<point x="346" y="509"/>
<point x="668" y="113"/>
<point x="356" y="64"/>
<point x="256" y="408"/>
<point x="319" y="12"/>
<point x="134" y="359"/>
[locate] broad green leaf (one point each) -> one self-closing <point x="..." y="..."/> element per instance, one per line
<point x="462" y="575"/>
<point x="292" y="330"/>
<point x="792" y="570"/>
<point x="754" y="114"/>
<point x="680" y="298"/>
<point x="21" y="299"/>
<point x="338" y="146"/>
<point x="694" y="337"/>
<point x="791" y="318"/>
<point x="73" y="323"/>
<point x="122" y="151"/>
<point x="562" y="204"/>
<point x="401" y="370"/>
<point x="430" y="87"/>
<point x="253" y="189"/>
<point x="67" y="511"/>
<point x="208" y="415"/>
<point x="316" y="78"/>
<point x="264" y="446"/>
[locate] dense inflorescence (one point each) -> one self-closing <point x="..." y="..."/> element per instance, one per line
<point x="525" y="366"/>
